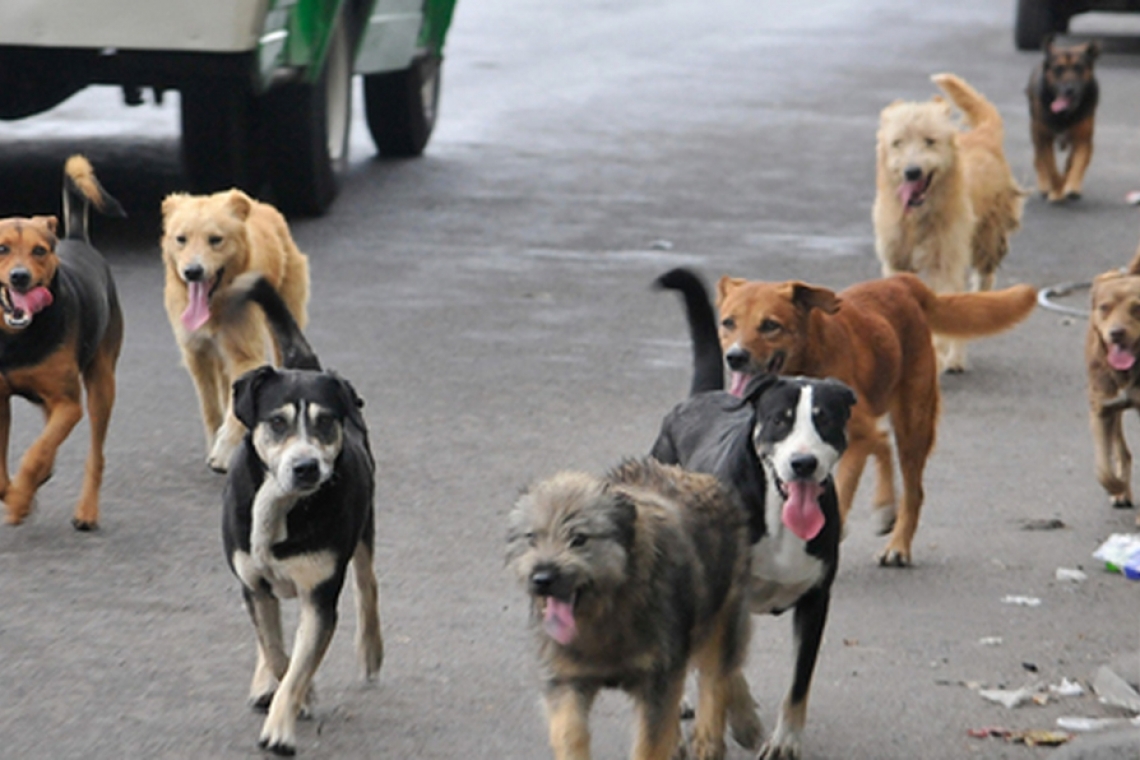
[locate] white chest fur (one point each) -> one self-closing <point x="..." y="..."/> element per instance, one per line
<point x="782" y="570"/>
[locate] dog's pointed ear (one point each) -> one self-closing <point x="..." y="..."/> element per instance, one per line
<point x="245" y="394"/>
<point x="171" y="202"/>
<point x="1047" y="44"/>
<point x="239" y="204"/>
<point x="1092" y="51"/>
<point x="808" y="297"/>
<point x="725" y="286"/>
<point x="624" y="517"/>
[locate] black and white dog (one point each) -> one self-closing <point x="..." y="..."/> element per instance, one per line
<point x="776" y="447"/>
<point x="298" y="507"/>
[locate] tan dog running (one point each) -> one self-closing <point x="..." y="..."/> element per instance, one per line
<point x="1112" y="347"/>
<point x="207" y="241"/>
<point x="876" y="337"/>
<point x="633" y="578"/>
<point x="946" y="200"/>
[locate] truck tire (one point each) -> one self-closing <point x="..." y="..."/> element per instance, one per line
<point x="1034" y="20"/>
<point x="307" y="126"/>
<point x="218" y="146"/>
<point x="401" y="107"/>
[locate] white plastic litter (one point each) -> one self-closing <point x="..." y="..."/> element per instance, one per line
<point x="991" y="641"/>
<point x="1067" y="688"/>
<point x="1021" y="601"/>
<point x="1114" y="690"/>
<point x="1007" y="697"/>
<point x="1070" y="574"/>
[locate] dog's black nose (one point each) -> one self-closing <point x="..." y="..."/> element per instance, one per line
<point x="913" y="174"/>
<point x="737" y="359"/>
<point x="804" y="465"/>
<point x="194" y="273"/>
<point x="542" y="581"/>
<point x="306" y="472"/>
<point x="20" y="278"/>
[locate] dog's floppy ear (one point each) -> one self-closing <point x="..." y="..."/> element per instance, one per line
<point x="50" y="223"/>
<point x="353" y="404"/>
<point x="808" y="297"/>
<point x="245" y="394"/>
<point x="624" y="517"/>
<point x="171" y="202"/>
<point x="842" y="392"/>
<point x="1047" y="45"/>
<point x="756" y="387"/>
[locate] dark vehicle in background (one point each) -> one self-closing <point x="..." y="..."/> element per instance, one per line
<point x="266" y="85"/>
<point x="1037" y="18"/>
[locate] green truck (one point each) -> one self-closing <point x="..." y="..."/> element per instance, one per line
<point x="265" y="85"/>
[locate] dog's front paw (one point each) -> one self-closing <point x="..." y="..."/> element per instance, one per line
<point x="891" y="557"/>
<point x="786" y="750"/>
<point x="745" y="726"/>
<point x="707" y="747"/>
<point x="1122" y="502"/>
<point x="277" y="737"/>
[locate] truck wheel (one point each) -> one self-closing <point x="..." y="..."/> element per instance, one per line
<point x="401" y="107"/>
<point x="1035" y="19"/>
<point x="218" y="148"/>
<point x="307" y="126"/>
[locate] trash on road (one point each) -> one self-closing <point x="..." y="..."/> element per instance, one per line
<point x="1067" y="688"/>
<point x="1121" y="554"/>
<point x="991" y="641"/>
<point x="1043" y="524"/>
<point x="1084" y="725"/>
<point x="1070" y="574"/>
<point x="1114" y="690"/>
<point x="1021" y="601"/>
<point x="1007" y="697"/>
<point x="1035" y="737"/>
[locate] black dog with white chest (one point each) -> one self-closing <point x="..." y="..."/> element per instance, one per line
<point x="298" y="508"/>
<point x="776" y="447"/>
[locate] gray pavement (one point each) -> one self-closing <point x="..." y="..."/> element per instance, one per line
<point x="491" y="303"/>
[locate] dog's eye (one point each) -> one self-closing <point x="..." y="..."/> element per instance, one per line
<point x="214" y="240"/>
<point x="770" y="325"/>
<point x="930" y="142"/>
<point x="278" y="425"/>
<point x="3" y="250"/>
<point x="1135" y="311"/>
<point x="324" y="426"/>
<point x="578" y="540"/>
<point x="180" y="239"/>
<point x="728" y="323"/>
<point x="896" y="143"/>
<point x="39" y="251"/>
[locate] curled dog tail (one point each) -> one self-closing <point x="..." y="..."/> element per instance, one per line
<point x="81" y="190"/>
<point x="973" y="315"/>
<point x="708" y="360"/>
<point x="980" y="113"/>
<point x="296" y="353"/>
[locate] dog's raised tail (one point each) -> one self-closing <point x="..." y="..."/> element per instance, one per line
<point x="708" y="360"/>
<point x="979" y="111"/>
<point x="296" y="353"/>
<point x="81" y="190"/>
<point x="975" y="315"/>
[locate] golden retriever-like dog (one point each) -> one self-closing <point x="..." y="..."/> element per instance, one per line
<point x="946" y="200"/>
<point x="207" y="241"/>
<point x="1112" y="350"/>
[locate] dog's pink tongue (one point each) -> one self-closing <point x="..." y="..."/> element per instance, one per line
<point x="738" y="382"/>
<point x="32" y="302"/>
<point x="1060" y="103"/>
<point x="908" y="191"/>
<point x="198" y="310"/>
<point x="802" y="513"/>
<point x="558" y="621"/>
<point x="1120" y="359"/>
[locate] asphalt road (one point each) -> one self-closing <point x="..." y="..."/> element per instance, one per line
<point x="491" y="303"/>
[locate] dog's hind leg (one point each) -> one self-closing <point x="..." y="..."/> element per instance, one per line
<point x="314" y="632"/>
<point x="810" y="617"/>
<point x="99" y="380"/>
<point x="659" y="719"/>
<point x="722" y="691"/>
<point x="884" y="503"/>
<point x="369" y="642"/>
<point x="567" y="713"/>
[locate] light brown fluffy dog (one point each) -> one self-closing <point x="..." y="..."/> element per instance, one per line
<point x="633" y="578"/>
<point x="1112" y="347"/>
<point x="946" y="200"/>
<point x="875" y="337"/>
<point x="207" y="241"/>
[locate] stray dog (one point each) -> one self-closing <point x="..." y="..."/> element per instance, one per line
<point x="62" y="331"/>
<point x="634" y="577"/>
<point x="1063" y="95"/>
<point x="775" y="448"/>
<point x="208" y="241"/>
<point x="1112" y="347"/>
<point x="876" y="338"/>
<point x="946" y="200"/>
<point x="297" y="509"/>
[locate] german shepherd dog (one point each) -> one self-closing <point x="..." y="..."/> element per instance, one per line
<point x="775" y="448"/>
<point x="298" y="508"/>
<point x="633" y="578"/>
<point x="61" y="333"/>
<point x="1063" y="95"/>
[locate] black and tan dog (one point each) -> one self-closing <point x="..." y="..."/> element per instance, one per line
<point x="775" y="448"/>
<point x="61" y="333"/>
<point x="633" y="578"/>
<point x="298" y="508"/>
<point x="1063" y="96"/>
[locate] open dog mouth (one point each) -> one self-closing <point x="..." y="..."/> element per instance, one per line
<point x="801" y="512"/>
<point x="738" y="381"/>
<point x="1061" y="103"/>
<point x="558" y="618"/>
<point x="1120" y="358"/>
<point x="199" y="292"/>
<point x="912" y="194"/>
<point x="19" y="308"/>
